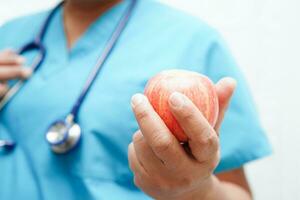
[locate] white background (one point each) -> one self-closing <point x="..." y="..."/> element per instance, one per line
<point x="264" y="37"/>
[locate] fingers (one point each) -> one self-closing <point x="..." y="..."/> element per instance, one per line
<point x="3" y="89"/>
<point x="7" y="73"/>
<point x="10" y="63"/>
<point x="162" y="142"/>
<point x="141" y="178"/>
<point x="225" y="89"/>
<point x="10" y="58"/>
<point x="145" y="154"/>
<point x="134" y="163"/>
<point x="203" y="140"/>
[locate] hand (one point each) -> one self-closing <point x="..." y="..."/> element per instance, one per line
<point x="10" y="68"/>
<point x="161" y="166"/>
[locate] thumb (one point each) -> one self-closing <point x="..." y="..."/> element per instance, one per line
<point x="225" y="89"/>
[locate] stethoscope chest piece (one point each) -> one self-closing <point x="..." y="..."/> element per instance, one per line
<point x="63" y="135"/>
<point x="7" y="145"/>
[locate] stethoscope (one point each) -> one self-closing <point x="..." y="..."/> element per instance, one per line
<point x="64" y="134"/>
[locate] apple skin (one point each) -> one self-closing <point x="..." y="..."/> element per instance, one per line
<point x="197" y="87"/>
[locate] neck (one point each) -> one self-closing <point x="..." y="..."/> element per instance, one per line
<point x="80" y="14"/>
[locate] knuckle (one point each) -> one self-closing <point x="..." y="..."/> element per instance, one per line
<point x="130" y="146"/>
<point x="217" y="158"/>
<point x="210" y="141"/>
<point x="142" y="114"/>
<point x="206" y="130"/>
<point x="7" y="51"/>
<point x="213" y="163"/>
<point x="130" y="151"/>
<point x="137" y="137"/>
<point x="162" y="143"/>
<point x="188" y="115"/>
<point x="5" y="54"/>
<point x="208" y="137"/>
<point x="130" y="163"/>
<point x="16" y="72"/>
<point x="207" y="148"/>
<point x="213" y="143"/>
<point x="137" y="181"/>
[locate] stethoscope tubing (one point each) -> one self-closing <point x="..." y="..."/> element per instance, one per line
<point x="102" y="59"/>
<point x="37" y="44"/>
<point x="18" y="85"/>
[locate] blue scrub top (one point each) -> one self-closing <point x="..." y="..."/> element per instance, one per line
<point x="157" y="38"/>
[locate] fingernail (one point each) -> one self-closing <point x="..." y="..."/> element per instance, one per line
<point x="177" y="100"/>
<point x="20" y="60"/>
<point x="231" y="80"/>
<point x="137" y="99"/>
<point x="26" y="72"/>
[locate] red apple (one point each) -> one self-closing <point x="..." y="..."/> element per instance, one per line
<point x="197" y="87"/>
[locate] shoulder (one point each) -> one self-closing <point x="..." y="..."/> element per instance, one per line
<point x="21" y="29"/>
<point x="174" y="21"/>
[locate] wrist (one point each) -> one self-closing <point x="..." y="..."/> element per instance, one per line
<point x="206" y="190"/>
<point x="213" y="190"/>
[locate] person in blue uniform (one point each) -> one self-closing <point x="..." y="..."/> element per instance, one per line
<point x="126" y="151"/>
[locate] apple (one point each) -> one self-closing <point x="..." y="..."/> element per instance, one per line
<point x="197" y="87"/>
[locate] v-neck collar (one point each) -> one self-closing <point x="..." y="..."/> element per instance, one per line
<point x="92" y="41"/>
<point x="97" y="34"/>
